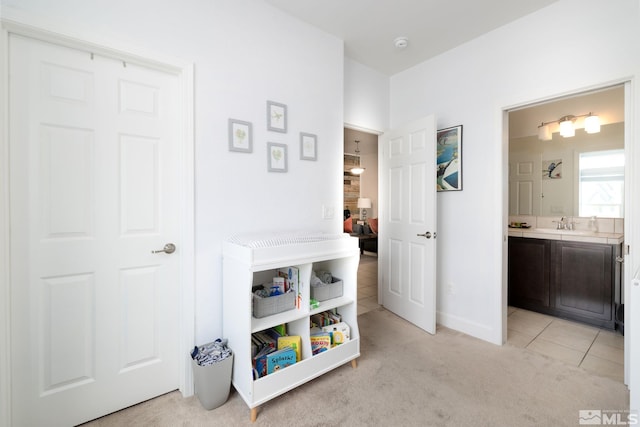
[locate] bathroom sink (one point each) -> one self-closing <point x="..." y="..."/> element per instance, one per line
<point x="565" y="232"/>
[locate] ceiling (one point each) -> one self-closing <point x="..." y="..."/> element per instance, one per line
<point x="369" y="27"/>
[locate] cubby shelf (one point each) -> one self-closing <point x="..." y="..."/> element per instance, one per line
<point x="250" y="260"/>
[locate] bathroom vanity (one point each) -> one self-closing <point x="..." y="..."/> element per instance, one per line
<point x="570" y="274"/>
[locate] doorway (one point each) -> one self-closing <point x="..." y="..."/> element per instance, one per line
<point x="364" y="185"/>
<point x="540" y="196"/>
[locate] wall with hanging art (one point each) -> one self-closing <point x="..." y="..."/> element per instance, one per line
<point x="240" y="136"/>
<point x="449" y="159"/>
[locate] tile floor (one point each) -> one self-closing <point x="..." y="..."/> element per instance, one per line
<point x="368" y="282"/>
<point x="596" y="350"/>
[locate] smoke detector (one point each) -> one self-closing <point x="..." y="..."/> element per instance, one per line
<point x="401" y="42"/>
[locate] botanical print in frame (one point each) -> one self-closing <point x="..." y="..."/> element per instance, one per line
<point x="240" y="138"/>
<point x="308" y="146"/>
<point x="277" y="157"/>
<point x="552" y="169"/>
<point x="276" y="117"/>
<point x="449" y="159"/>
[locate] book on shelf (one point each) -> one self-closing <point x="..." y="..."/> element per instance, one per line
<point x="265" y="339"/>
<point x="320" y="342"/>
<point x="340" y="333"/>
<point x="281" y="329"/>
<point x="292" y="281"/>
<point x="326" y="318"/>
<point x="293" y="341"/>
<point x="260" y="362"/>
<point x="280" y="359"/>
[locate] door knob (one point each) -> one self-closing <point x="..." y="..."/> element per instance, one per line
<point x="169" y="248"/>
<point x="427" y="235"/>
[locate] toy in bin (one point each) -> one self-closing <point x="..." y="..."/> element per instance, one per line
<point x="340" y="333"/>
<point x="324" y="286"/>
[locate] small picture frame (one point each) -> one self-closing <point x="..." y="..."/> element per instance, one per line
<point x="276" y="117"/>
<point x="308" y="146"/>
<point x="449" y="159"/>
<point x="240" y="136"/>
<point x="276" y="157"/>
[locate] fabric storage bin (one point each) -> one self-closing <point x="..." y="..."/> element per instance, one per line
<point x="263" y="307"/>
<point x="327" y="290"/>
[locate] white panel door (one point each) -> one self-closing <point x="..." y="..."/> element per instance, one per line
<point x="524" y="184"/>
<point x="407" y="232"/>
<point x="94" y="174"/>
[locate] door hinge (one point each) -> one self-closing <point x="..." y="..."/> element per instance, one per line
<point x="627" y="249"/>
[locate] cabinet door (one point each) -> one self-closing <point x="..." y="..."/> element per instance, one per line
<point x="583" y="279"/>
<point x="529" y="272"/>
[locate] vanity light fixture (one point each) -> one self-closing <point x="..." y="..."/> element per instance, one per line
<point x="567" y="127"/>
<point x="357" y="170"/>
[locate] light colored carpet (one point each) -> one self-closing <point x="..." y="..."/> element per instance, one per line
<point x="406" y="377"/>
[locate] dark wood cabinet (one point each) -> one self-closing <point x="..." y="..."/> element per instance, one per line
<point x="529" y="273"/>
<point x="584" y="279"/>
<point x="572" y="280"/>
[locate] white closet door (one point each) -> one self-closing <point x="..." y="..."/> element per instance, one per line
<point x="94" y="189"/>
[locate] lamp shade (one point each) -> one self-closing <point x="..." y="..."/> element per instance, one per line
<point x="357" y="170"/>
<point x="592" y="124"/>
<point x="364" y="203"/>
<point x="566" y="128"/>
<point x="544" y="133"/>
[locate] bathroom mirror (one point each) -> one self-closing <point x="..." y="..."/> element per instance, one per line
<point x="546" y="178"/>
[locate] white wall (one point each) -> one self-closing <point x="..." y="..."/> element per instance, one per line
<point x="245" y="52"/>
<point x="366" y="97"/>
<point x="565" y="48"/>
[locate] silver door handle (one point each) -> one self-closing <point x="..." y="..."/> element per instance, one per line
<point x="169" y="248"/>
<point x="619" y="259"/>
<point x="427" y="235"/>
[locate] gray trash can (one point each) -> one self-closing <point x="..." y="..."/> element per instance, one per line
<point x="213" y="381"/>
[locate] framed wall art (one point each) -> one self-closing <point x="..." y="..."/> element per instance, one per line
<point x="449" y="159"/>
<point x="240" y="136"/>
<point x="308" y="146"/>
<point x="276" y="157"/>
<point x="552" y="169"/>
<point x="276" y="117"/>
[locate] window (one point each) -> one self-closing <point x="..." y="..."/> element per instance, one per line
<point x="601" y="183"/>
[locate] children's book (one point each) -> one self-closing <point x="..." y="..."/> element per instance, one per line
<point x="281" y="329"/>
<point x="260" y="362"/>
<point x="292" y="281"/>
<point x="292" y="341"/>
<point x="320" y="342"/>
<point x="340" y="333"/>
<point x="265" y="339"/>
<point x="280" y="359"/>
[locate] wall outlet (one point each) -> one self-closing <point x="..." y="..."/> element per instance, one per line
<point x="328" y="212"/>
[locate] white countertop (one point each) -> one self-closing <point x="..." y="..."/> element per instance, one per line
<point x="567" y="235"/>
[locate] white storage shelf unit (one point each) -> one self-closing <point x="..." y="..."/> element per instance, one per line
<point x="248" y="262"/>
